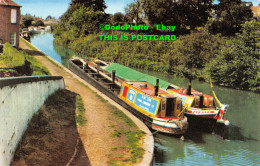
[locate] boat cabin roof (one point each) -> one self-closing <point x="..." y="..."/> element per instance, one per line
<point x="183" y="91"/>
<point x="147" y="88"/>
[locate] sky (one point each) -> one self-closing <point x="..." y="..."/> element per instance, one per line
<point x="43" y="8"/>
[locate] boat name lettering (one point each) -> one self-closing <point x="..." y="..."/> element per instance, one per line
<point x="146" y="103"/>
<point x="131" y="95"/>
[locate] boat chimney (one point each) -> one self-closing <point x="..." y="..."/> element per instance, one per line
<point x="98" y="68"/>
<point x="189" y="89"/>
<point x="156" y="87"/>
<point x="113" y="76"/>
<point x="85" y="66"/>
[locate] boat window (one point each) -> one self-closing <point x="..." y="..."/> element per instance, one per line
<point x="201" y="102"/>
<point x="197" y="99"/>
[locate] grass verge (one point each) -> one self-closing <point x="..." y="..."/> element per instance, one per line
<point x="80" y="111"/>
<point x="125" y="129"/>
<point x="22" y="63"/>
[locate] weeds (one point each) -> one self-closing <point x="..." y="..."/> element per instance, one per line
<point x="118" y="113"/>
<point x="80" y="111"/>
<point x="133" y="145"/>
<point x="101" y="98"/>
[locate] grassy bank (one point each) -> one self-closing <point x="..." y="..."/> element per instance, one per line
<point x="18" y="63"/>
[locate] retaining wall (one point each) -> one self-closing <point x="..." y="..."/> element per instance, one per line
<point x="20" y="99"/>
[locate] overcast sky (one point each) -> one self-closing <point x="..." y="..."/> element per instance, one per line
<point x="56" y="8"/>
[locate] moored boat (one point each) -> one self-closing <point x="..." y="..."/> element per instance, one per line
<point x="199" y="105"/>
<point x="157" y="108"/>
<point x="164" y="109"/>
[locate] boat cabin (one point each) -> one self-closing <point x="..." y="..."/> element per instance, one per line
<point x="143" y="96"/>
<point x="196" y="99"/>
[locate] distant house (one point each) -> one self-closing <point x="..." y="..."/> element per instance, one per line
<point x="9" y="22"/>
<point x="256" y="10"/>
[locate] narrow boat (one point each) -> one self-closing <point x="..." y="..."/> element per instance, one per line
<point x="157" y="108"/>
<point x="164" y="109"/>
<point x="199" y="105"/>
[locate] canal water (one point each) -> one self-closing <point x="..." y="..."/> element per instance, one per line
<point x="241" y="145"/>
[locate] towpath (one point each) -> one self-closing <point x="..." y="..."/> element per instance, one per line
<point x="96" y="135"/>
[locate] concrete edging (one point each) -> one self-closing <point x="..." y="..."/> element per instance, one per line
<point x="148" y="142"/>
<point x="27" y="79"/>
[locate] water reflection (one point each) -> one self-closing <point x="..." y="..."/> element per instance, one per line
<point x="65" y="54"/>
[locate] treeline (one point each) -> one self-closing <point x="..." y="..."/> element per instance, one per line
<point x="222" y="45"/>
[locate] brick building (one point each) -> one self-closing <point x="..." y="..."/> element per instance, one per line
<point x="9" y="22"/>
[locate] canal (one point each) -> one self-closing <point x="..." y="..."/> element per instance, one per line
<point x="241" y="145"/>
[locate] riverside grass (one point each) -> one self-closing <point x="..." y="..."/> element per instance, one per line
<point x="80" y="111"/>
<point x="124" y="128"/>
<point x="13" y="58"/>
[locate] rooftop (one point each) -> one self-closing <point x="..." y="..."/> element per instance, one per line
<point x="8" y="3"/>
<point x="256" y="10"/>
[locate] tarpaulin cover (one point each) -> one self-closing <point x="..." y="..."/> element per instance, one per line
<point x="129" y="74"/>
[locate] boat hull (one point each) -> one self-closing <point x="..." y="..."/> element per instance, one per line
<point x="176" y="127"/>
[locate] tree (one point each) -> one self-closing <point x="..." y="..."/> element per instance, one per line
<point x="38" y="23"/>
<point x="230" y="14"/>
<point x="118" y="18"/>
<point x="26" y="21"/>
<point x="196" y="50"/>
<point x="48" y="17"/>
<point x="97" y="5"/>
<point x="181" y="13"/>
<point x="134" y="11"/>
<point x="238" y="63"/>
<point x="85" y="21"/>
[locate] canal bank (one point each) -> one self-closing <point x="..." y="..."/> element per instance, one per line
<point x="241" y="146"/>
<point x="96" y="135"/>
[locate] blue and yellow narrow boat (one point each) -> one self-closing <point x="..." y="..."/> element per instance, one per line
<point x="162" y="108"/>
